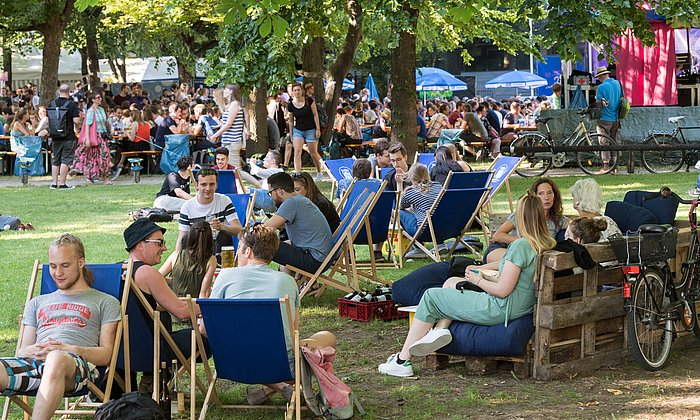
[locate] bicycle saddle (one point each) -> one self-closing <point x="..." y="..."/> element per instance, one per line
<point x="676" y="120"/>
<point x="655" y="228"/>
<point x="543" y="120"/>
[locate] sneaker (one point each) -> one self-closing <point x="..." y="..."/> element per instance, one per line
<point x="117" y="172"/>
<point x="695" y="192"/>
<point x="697" y="165"/>
<point x="394" y="369"/>
<point x="415" y="252"/>
<point x="442" y="248"/>
<point x="434" y="340"/>
<point x="318" y="177"/>
<point x="53" y="186"/>
<point x="66" y="187"/>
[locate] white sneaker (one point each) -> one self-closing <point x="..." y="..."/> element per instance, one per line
<point x="415" y="252"/>
<point x="394" y="369"/>
<point x="697" y="165"/>
<point x="318" y="177"/>
<point x="695" y="192"/>
<point x="434" y="340"/>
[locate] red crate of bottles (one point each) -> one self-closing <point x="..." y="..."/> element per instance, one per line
<point x="365" y="311"/>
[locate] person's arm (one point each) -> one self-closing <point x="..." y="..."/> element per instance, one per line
<point x="167" y="266"/>
<point x="503" y="233"/>
<point x="503" y="286"/>
<point x="28" y="346"/>
<point x="151" y="281"/>
<point x="132" y="132"/>
<point x="182" y="194"/>
<point x="100" y="355"/>
<point x="318" y="124"/>
<point x="234" y="227"/>
<point x="234" y="108"/>
<point x="181" y="234"/>
<point x="276" y="222"/>
<point x="23" y="129"/>
<point x="197" y="129"/>
<point x="205" y="291"/>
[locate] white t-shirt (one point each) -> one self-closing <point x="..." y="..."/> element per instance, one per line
<point x="193" y="211"/>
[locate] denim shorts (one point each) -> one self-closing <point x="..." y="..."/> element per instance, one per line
<point x="307" y="135"/>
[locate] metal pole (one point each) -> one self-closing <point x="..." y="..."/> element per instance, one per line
<point x="532" y="58"/>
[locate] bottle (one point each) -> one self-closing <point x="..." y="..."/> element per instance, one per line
<point x="174" y="407"/>
<point x="164" y="400"/>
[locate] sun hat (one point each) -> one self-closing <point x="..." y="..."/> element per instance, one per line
<point x="601" y="71"/>
<point x="138" y="231"/>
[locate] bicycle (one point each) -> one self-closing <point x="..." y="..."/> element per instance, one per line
<point x="654" y="303"/>
<point x="538" y="163"/>
<point x="659" y="161"/>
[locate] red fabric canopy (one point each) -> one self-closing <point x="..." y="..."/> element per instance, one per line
<point x="648" y="74"/>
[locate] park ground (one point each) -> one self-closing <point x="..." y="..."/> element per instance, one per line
<point x="99" y="215"/>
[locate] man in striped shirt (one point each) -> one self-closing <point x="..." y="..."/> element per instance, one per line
<point x="212" y="207"/>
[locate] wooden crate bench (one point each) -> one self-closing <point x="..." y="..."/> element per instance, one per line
<point x="578" y="326"/>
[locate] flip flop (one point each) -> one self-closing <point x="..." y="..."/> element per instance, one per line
<point x="28" y="226"/>
<point x="21" y="227"/>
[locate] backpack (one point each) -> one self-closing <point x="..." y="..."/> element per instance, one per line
<point x="328" y="397"/>
<point x="58" y="119"/>
<point x="322" y="116"/>
<point x="624" y="108"/>
<point x="156" y="215"/>
<point x="131" y="406"/>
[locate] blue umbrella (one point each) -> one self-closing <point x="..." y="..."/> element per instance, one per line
<point x="516" y="79"/>
<point x="347" y="84"/>
<point x="371" y="87"/>
<point x="431" y="78"/>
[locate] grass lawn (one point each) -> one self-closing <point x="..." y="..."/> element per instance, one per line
<point x="98" y="215"/>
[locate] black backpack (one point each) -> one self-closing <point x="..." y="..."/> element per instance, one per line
<point x="58" y="119"/>
<point x="131" y="406"/>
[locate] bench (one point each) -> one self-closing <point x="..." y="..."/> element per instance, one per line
<point x="578" y="329"/>
<point x="150" y="155"/>
<point x="10" y="157"/>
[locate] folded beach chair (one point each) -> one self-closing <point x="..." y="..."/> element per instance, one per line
<point x="29" y="153"/>
<point x="248" y="344"/>
<point x="176" y="146"/>
<point x="106" y="279"/>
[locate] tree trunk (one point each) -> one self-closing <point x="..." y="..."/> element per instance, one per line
<point x="52" y="30"/>
<point x="92" y="53"/>
<point x="257" y="112"/>
<point x="403" y="100"/>
<point x="7" y="62"/>
<point x="336" y="73"/>
<point x="84" y="65"/>
<point x="183" y="73"/>
<point x="122" y="69"/>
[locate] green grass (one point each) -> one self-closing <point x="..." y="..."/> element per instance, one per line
<point x="98" y="215"/>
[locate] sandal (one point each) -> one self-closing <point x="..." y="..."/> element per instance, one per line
<point x="21" y="227"/>
<point x="255" y="395"/>
<point x="28" y="226"/>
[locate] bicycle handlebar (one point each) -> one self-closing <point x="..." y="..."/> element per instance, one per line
<point x="666" y="192"/>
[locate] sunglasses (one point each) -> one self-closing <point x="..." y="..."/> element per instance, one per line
<point x="160" y="242"/>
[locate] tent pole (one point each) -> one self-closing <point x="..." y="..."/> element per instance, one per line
<point x="532" y="59"/>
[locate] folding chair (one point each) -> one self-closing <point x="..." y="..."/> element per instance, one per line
<point x="248" y="344"/>
<point x="107" y="279"/>
<point x="502" y="168"/>
<point x="229" y="182"/>
<point x="475" y="179"/>
<point x="29" y="155"/>
<point x="427" y="159"/>
<point x="176" y="146"/>
<point x="381" y="172"/>
<point x="341" y="258"/>
<point x="338" y="169"/>
<point x="244" y="210"/>
<point x="449" y="217"/>
<point x="141" y="347"/>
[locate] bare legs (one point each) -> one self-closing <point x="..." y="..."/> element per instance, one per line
<point x="58" y="378"/>
<point x="313" y="151"/>
<point x="59" y="174"/>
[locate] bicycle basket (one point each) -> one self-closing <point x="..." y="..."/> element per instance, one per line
<point x="635" y="248"/>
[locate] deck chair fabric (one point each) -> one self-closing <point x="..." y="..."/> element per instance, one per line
<point x="341" y="258"/>
<point x="427" y="159"/>
<point x="464" y="180"/>
<point x="176" y="146"/>
<point x="450" y="217"/>
<point x="502" y="168"/>
<point x="244" y="210"/>
<point x="338" y="169"/>
<point x="107" y="280"/>
<point x="245" y="352"/>
<point x="29" y="150"/>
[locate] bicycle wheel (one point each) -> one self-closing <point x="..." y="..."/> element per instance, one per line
<point x="650" y="330"/>
<point x="535" y="163"/>
<point x="659" y="161"/>
<point x="592" y="162"/>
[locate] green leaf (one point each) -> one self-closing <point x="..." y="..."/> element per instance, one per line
<point x="280" y="26"/>
<point x="265" y="26"/>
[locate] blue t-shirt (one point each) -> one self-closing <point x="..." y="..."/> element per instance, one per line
<point x="611" y="90"/>
<point x="422" y="131"/>
<point x="306" y="226"/>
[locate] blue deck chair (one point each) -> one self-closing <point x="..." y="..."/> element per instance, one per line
<point x="29" y="152"/>
<point x="176" y="146"/>
<point x="244" y="210"/>
<point x="502" y="168"/>
<point x="383" y="171"/>
<point x="107" y="279"/>
<point x="338" y="169"/>
<point x="427" y="159"/>
<point x="230" y="182"/>
<point x="462" y="180"/>
<point x="450" y="217"/>
<point x="248" y="344"/>
<point x="140" y="350"/>
<point x="341" y="258"/>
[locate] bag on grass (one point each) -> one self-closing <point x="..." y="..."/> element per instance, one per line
<point x="9" y="223"/>
<point x="324" y="393"/>
<point x="131" y="406"/>
<point x="154" y="214"/>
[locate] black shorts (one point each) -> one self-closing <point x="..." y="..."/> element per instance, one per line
<point x="296" y="257"/>
<point x="62" y="152"/>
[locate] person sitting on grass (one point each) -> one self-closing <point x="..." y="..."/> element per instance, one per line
<point x="506" y="296"/>
<point x="175" y="190"/>
<point x="221" y="156"/>
<point x="194" y="265"/>
<point x="66" y="334"/>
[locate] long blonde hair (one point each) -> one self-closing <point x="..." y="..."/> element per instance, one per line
<point x="532" y="225"/>
<point x="419" y="177"/>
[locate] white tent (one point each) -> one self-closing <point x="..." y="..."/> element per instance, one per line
<point x="27" y="68"/>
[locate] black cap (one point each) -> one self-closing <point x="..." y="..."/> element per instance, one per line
<point x="138" y="231"/>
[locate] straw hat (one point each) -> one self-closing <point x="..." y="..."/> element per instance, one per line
<point x="601" y="71"/>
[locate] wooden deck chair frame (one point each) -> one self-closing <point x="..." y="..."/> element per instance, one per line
<point x="249" y="213"/>
<point x="334" y="181"/>
<point x="480" y="217"/>
<point x="345" y="264"/>
<point x="80" y="407"/>
<point x="159" y="331"/>
<point x="434" y="254"/>
<point x="293" y="408"/>
<point x="396" y="261"/>
<point x="492" y="168"/>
